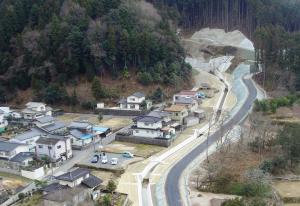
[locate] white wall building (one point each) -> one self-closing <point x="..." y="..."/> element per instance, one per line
<point x="9" y="149"/>
<point x="36" y="110"/>
<point x="54" y="147"/>
<point x="134" y="102"/>
<point x="30" y="137"/>
<point x="151" y="127"/>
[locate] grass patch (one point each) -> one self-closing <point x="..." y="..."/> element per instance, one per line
<point x="31" y="200"/>
<point x="14" y="177"/>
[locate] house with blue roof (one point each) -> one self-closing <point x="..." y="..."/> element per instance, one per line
<point x="84" y="133"/>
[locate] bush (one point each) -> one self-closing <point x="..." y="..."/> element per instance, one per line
<point x="145" y="78"/>
<point x="88" y="105"/>
<point x="249" y="189"/>
<point x="21" y="196"/>
<point x="234" y="202"/>
<point x="111" y="186"/>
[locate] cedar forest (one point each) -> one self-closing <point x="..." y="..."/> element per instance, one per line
<point x="45" y="44"/>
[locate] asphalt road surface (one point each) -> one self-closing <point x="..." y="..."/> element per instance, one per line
<point x="172" y="187"/>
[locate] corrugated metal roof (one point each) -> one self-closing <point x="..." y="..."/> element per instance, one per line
<point x="45" y="119"/>
<point x="138" y="94"/>
<point x="33" y="132"/>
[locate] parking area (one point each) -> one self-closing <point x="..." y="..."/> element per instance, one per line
<point x="122" y="162"/>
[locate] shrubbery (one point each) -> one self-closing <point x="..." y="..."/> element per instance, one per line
<point x="271" y="105"/>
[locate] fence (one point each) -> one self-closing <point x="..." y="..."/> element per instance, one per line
<point x="144" y="140"/>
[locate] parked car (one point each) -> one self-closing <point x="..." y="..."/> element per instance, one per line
<point x="104" y="159"/>
<point x="127" y="154"/>
<point x="114" y="161"/>
<point x="95" y="159"/>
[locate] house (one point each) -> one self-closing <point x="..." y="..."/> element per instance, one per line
<point x="190" y="103"/>
<point x="3" y="121"/>
<point x="151" y="127"/>
<point x="9" y="149"/>
<point x="83" y="133"/>
<point x="136" y="101"/>
<point x="186" y="94"/>
<point x="23" y="158"/>
<point x="178" y="112"/>
<point x="165" y="116"/>
<point x="200" y="113"/>
<point x="50" y="125"/>
<point x="16" y="114"/>
<point x="72" y="188"/>
<point x="35" y="110"/>
<point x="29" y="137"/>
<point x="56" y="148"/>
<point x="6" y="111"/>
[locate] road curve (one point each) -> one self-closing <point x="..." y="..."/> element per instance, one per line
<point x="172" y="187"/>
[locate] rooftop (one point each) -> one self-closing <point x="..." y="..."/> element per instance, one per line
<point x="9" y="146"/>
<point x="183" y="100"/>
<point x="138" y="94"/>
<point x="73" y="175"/>
<point x="22" y="156"/>
<point x="80" y="135"/>
<point x="33" y="132"/>
<point x="54" y="187"/>
<point x="187" y="92"/>
<point x="45" y="119"/>
<point x="65" y="194"/>
<point x="92" y="181"/>
<point x="55" y="126"/>
<point x="175" y="108"/>
<point x="35" y="104"/>
<point x="147" y="119"/>
<point x="48" y="140"/>
<point x="159" y="114"/>
<point x="80" y="125"/>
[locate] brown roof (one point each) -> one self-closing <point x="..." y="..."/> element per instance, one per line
<point x="175" y="108"/>
<point x="187" y="92"/>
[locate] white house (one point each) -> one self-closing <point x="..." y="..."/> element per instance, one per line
<point x="186" y="93"/>
<point x="9" y="149"/>
<point x="135" y="102"/>
<point x="56" y="148"/>
<point x="35" y="110"/>
<point x="6" y="111"/>
<point x="29" y="137"/>
<point x="3" y="121"/>
<point x="151" y="127"/>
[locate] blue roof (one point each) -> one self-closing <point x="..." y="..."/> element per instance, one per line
<point x="78" y="134"/>
<point x="100" y="129"/>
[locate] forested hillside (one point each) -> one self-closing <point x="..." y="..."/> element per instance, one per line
<point x="46" y="44"/>
<point x="273" y="25"/>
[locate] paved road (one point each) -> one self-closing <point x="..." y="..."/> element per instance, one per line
<point x="172" y="187"/>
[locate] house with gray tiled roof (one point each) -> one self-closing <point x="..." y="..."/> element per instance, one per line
<point x="9" y="149"/>
<point x="72" y="188"/>
<point x="153" y="125"/>
<point x="135" y="102"/>
<point x="29" y="137"/>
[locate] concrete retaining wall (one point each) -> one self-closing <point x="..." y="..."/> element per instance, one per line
<point x="143" y="140"/>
